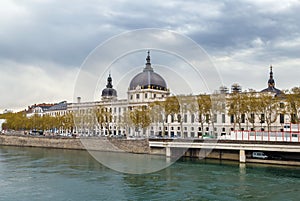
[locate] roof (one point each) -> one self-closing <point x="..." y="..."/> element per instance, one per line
<point x="148" y="78"/>
<point x="58" y="106"/>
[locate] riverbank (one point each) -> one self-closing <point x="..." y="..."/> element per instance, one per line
<point x="140" y="146"/>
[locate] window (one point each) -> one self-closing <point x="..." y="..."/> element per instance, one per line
<point x="193" y="118"/>
<point x="185" y="128"/>
<point x="179" y="118"/>
<point x="223" y="118"/>
<point x="131" y="97"/>
<point x="293" y="118"/>
<point x="137" y="96"/>
<point x="215" y="118"/>
<point x="178" y="128"/>
<point x="185" y="118"/>
<point x="207" y="118"/>
<point x="192" y="128"/>
<point x="172" y="128"/>
<point x="146" y="95"/>
<point x="252" y="118"/>
<point x="262" y="118"/>
<point x="231" y="119"/>
<point x="207" y="128"/>
<point x="223" y="106"/>
<point x="281" y="105"/>
<point x="281" y="117"/>
<point x="199" y="128"/>
<point x="154" y="95"/>
<point x="223" y="129"/>
<point x="243" y="117"/>
<point x="172" y="118"/>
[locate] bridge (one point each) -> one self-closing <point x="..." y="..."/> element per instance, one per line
<point x="240" y="146"/>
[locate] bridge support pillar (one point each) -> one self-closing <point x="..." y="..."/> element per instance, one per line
<point x="168" y="151"/>
<point x="242" y="156"/>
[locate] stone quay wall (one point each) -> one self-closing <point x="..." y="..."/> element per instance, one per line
<point x="95" y="144"/>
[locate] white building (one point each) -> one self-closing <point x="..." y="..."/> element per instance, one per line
<point x="111" y="116"/>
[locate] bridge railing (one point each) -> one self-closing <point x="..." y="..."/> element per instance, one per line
<point x="276" y="136"/>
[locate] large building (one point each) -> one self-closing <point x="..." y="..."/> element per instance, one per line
<point x="138" y="115"/>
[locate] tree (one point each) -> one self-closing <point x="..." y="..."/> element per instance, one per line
<point x="237" y="106"/>
<point x="204" y="110"/>
<point x="251" y="102"/>
<point x="156" y="113"/>
<point x="67" y="121"/>
<point x="140" y="117"/>
<point x="172" y="107"/>
<point x="268" y="109"/>
<point x="293" y="104"/>
<point x="15" y="121"/>
<point x="104" y="118"/>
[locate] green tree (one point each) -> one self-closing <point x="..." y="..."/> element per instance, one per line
<point x="204" y="110"/>
<point x="268" y="105"/>
<point x="251" y="102"/>
<point x="237" y="106"/>
<point x="104" y="118"/>
<point x="293" y="104"/>
<point x="156" y="114"/>
<point x="140" y="117"/>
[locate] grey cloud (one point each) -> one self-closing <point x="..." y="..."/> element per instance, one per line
<point x="241" y="36"/>
<point x="66" y="32"/>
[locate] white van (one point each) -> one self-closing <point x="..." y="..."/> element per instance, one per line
<point x="260" y="155"/>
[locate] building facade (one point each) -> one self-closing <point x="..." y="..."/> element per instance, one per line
<point x="150" y="111"/>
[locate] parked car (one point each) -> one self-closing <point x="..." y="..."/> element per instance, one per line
<point x="260" y="155"/>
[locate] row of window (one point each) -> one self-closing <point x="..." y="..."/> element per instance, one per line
<point x="138" y="96"/>
<point x="252" y="118"/>
<point x="186" y="128"/>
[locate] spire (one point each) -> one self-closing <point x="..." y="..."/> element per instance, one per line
<point x="148" y="64"/>
<point x="271" y="82"/>
<point x="109" y="81"/>
<point x="271" y="72"/>
<point x="148" y="58"/>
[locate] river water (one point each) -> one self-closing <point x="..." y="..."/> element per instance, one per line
<point x="54" y="174"/>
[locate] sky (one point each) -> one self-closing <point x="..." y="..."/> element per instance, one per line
<point x="45" y="44"/>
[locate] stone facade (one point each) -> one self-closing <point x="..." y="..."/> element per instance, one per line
<point x="95" y="144"/>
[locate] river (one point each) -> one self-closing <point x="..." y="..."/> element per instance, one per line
<point x="56" y="174"/>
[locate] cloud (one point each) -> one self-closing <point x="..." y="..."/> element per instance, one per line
<point x="22" y="85"/>
<point x="242" y="37"/>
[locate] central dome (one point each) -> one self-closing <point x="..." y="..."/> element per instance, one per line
<point x="148" y="79"/>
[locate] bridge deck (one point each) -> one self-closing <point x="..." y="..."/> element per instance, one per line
<point x="227" y="144"/>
